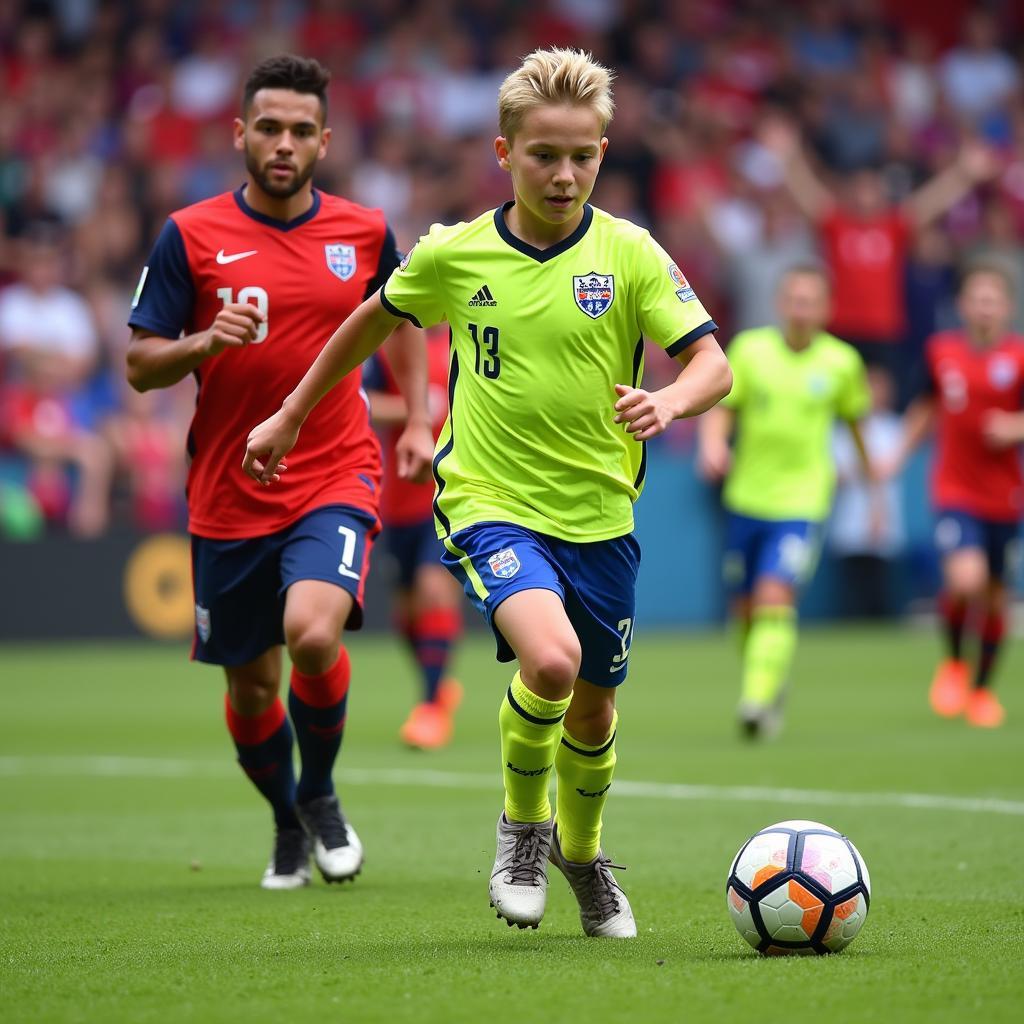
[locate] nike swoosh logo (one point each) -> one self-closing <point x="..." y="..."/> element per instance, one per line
<point x="222" y="258"/>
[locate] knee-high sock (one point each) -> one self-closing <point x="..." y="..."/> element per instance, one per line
<point x="264" y="745"/>
<point x="768" y="653"/>
<point x="992" y="631"/>
<point x="954" y="614"/>
<point x="432" y="635"/>
<point x="317" y="704"/>
<point x="584" y="775"/>
<point x="530" y="729"/>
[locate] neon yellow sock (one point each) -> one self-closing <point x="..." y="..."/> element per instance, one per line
<point x="584" y="777"/>
<point x="530" y="730"/>
<point x="768" y="653"/>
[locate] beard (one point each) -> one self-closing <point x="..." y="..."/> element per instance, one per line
<point x="261" y="175"/>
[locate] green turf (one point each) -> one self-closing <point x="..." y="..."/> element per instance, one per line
<point x="128" y="889"/>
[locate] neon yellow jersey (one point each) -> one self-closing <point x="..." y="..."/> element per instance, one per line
<point x="786" y="404"/>
<point x="540" y="337"/>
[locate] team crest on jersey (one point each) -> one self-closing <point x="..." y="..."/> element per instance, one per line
<point x="1002" y="372"/>
<point x="594" y="293"/>
<point x="683" y="290"/>
<point x="505" y="563"/>
<point x="341" y="260"/>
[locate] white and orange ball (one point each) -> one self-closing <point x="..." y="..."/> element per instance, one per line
<point x="798" y="887"/>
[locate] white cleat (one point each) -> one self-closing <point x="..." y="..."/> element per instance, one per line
<point x="336" y="847"/>
<point x="289" y="863"/>
<point x="604" y="910"/>
<point x="519" y="880"/>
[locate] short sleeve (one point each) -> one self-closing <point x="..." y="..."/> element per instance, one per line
<point x="390" y="258"/>
<point x="669" y="312"/>
<point x="165" y="295"/>
<point x="735" y="353"/>
<point x="854" y="398"/>
<point x="413" y="291"/>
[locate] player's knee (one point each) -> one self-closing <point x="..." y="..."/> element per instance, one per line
<point x="554" y="669"/>
<point x="252" y="695"/>
<point x="591" y="725"/>
<point x="313" y="646"/>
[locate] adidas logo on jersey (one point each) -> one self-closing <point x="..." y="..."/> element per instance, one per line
<point x="483" y="298"/>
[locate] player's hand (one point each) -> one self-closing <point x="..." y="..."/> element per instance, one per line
<point x="414" y="451"/>
<point x="643" y="412"/>
<point x="714" y="460"/>
<point x="978" y="162"/>
<point x="1001" y="429"/>
<point x="886" y="467"/>
<point x="235" y="326"/>
<point x="267" y="445"/>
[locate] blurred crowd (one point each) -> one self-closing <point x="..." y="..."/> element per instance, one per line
<point x="883" y="137"/>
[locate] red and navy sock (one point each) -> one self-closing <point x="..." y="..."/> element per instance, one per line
<point x="954" y="615"/>
<point x="433" y="634"/>
<point x="993" y="629"/>
<point x="264" y="745"/>
<point x="317" y="705"/>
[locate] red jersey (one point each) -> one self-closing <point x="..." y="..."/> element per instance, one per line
<point x="307" y="276"/>
<point x="866" y="258"/>
<point x="970" y="382"/>
<point x="403" y="502"/>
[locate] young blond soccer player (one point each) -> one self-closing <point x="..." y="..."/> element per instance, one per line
<point x="542" y="457"/>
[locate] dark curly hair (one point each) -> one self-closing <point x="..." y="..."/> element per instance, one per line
<point x="287" y="71"/>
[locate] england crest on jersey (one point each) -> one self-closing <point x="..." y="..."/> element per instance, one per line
<point x="594" y="293"/>
<point x="341" y="260"/>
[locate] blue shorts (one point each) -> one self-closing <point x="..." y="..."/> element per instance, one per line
<point x="955" y="530"/>
<point x="240" y="585"/>
<point x="413" y="545"/>
<point x="596" y="582"/>
<point x="784" y="549"/>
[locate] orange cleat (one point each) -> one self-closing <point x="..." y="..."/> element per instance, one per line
<point x="984" y="709"/>
<point x="428" y="727"/>
<point x="449" y="695"/>
<point x="950" y="687"/>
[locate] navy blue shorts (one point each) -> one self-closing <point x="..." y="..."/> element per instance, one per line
<point x="240" y="585"/>
<point x="955" y="530"/>
<point x="784" y="549"/>
<point x="596" y="582"/>
<point x="413" y="545"/>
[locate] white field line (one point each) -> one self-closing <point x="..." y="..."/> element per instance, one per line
<point x="172" y="768"/>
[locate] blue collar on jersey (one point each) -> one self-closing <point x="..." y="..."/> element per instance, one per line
<point x="273" y="222"/>
<point x="541" y="255"/>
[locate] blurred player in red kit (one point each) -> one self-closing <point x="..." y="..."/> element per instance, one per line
<point x="240" y="290"/>
<point x="975" y="400"/>
<point x="427" y="599"/>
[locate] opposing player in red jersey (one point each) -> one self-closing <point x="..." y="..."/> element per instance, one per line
<point x="427" y="598"/>
<point x="975" y="399"/>
<point x="240" y="291"/>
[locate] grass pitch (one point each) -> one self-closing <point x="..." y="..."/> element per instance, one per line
<point x="131" y="849"/>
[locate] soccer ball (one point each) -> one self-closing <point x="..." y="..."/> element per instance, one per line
<point x="798" y="887"/>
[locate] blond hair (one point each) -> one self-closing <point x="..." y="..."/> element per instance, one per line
<point x="555" y="76"/>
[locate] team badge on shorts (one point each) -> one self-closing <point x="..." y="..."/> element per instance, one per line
<point x="341" y="260"/>
<point x="203" y="623"/>
<point x="505" y="564"/>
<point x="594" y="293"/>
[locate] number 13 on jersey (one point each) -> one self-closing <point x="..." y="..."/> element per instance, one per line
<point x="485" y="346"/>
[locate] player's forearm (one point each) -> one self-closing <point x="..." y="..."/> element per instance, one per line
<point x="407" y="353"/>
<point x="937" y="196"/>
<point x="348" y="347"/>
<point x="857" y="435"/>
<point x="155" y="362"/>
<point x="715" y="427"/>
<point x="386" y="410"/>
<point x="917" y="424"/>
<point x="703" y="382"/>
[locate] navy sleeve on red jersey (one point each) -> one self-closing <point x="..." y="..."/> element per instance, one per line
<point x="390" y="257"/>
<point x="166" y="292"/>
